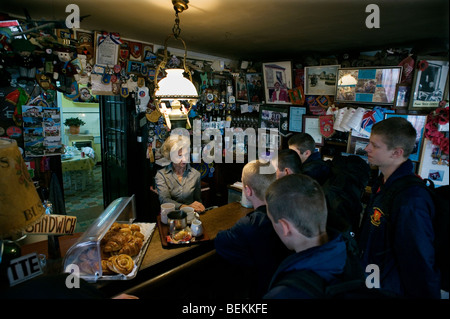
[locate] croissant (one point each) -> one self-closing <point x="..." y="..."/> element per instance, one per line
<point x="115" y="243"/>
<point x="132" y="248"/>
<point x="138" y="234"/>
<point x="121" y="264"/>
<point x="115" y="227"/>
<point x="135" y="228"/>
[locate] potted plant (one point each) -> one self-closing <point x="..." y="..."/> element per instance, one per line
<point x="74" y="124"/>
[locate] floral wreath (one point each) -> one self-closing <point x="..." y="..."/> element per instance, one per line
<point x="438" y="117"/>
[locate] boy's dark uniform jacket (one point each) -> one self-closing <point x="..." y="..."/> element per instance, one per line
<point x="410" y="271"/>
<point x="316" y="168"/>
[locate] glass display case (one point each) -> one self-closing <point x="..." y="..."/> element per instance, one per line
<point x="88" y="254"/>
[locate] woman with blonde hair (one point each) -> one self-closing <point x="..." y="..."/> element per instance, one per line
<point x="178" y="182"/>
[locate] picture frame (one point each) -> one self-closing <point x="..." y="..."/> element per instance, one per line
<point x="136" y="67"/>
<point x="356" y="145"/>
<point x="311" y="126"/>
<point x="402" y="96"/>
<point x="321" y="80"/>
<point x="296" y="114"/>
<point x="430" y="167"/>
<point x="274" y="118"/>
<point x="430" y="83"/>
<point x="106" y="48"/>
<point x="369" y="85"/>
<point x="241" y="89"/>
<point x="418" y="121"/>
<point x="277" y="81"/>
<point x="255" y="88"/>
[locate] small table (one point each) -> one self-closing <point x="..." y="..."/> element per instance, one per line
<point x="76" y="167"/>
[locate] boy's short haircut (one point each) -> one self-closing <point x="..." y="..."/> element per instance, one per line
<point x="397" y="132"/>
<point x="252" y="176"/>
<point x="290" y="159"/>
<point x="299" y="199"/>
<point x="303" y="142"/>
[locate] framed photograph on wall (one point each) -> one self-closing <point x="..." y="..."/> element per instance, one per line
<point x="321" y="80"/>
<point x="277" y="81"/>
<point x="430" y="83"/>
<point x="372" y="85"/>
<point x="296" y="114"/>
<point x="106" y="48"/>
<point x="255" y="89"/>
<point x="311" y="126"/>
<point x="418" y="121"/>
<point x="357" y="145"/>
<point x="402" y="95"/>
<point x="241" y="89"/>
<point x="431" y="167"/>
<point x="274" y="118"/>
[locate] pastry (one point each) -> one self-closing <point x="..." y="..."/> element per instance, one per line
<point x="121" y="264"/>
<point x="114" y="243"/>
<point x="105" y="268"/>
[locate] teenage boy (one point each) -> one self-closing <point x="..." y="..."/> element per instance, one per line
<point x="399" y="243"/>
<point x="288" y="163"/>
<point x="297" y="208"/>
<point x="252" y="242"/>
<point x="312" y="163"/>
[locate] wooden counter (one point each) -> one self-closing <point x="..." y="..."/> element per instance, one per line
<point x="158" y="260"/>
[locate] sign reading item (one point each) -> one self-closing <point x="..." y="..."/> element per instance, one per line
<point x="24" y="268"/>
<point x="54" y="224"/>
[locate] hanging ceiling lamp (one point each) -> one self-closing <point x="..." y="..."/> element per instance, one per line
<point x="175" y="94"/>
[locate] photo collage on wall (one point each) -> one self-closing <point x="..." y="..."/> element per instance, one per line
<point x="42" y="130"/>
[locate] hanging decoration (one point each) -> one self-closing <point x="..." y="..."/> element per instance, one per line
<point x="434" y="127"/>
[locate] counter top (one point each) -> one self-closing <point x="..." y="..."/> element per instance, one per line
<point x="158" y="260"/>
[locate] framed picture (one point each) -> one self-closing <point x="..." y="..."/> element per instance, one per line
<point x="311" y="126"/>
<point x="255" y="89"/>
<point x="274" y="118"/>
<point x="430" y="83"/>
<point x="241" y="89"/>
<point x="148" y="56"/>
<point x="136" y="67"/>
<point x="296" y="114"/>
<point x="432" y="166"/>
<point x="277" y="81"/>
<point x="321" y="80"/>
<point x="402" y="94"/>
<point x="418" y="121"/>
<point x="357" y="145"/>
<point x="106" y="48"/>
<point x="372" y="85"/>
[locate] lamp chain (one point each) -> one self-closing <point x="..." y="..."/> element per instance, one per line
<point x="176" y="30"/>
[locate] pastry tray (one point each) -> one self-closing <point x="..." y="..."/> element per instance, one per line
<point x="164" y="232"/>
<point x="147" y="229"/>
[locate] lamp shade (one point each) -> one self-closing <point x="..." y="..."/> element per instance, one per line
<point x="20" y="205"/>
<point x="175" y="86"/>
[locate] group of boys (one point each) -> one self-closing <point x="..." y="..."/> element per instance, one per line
<point x="287" y="232"/>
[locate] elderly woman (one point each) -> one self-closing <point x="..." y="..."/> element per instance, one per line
<point x="178" y="182"/>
